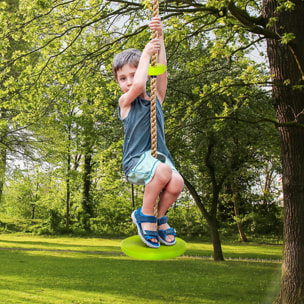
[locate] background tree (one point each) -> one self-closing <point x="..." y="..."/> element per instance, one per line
<point x="215" y="112"/>
<point x="14" y="139"/>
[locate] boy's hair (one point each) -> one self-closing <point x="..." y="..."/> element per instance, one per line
<point x="129" y="56"/>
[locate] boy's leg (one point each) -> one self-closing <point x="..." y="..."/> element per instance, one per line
<point x="161" y="178"/>
<point x="169" y="195"/>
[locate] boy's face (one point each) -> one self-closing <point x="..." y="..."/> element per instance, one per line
<point x="125" y="76"/>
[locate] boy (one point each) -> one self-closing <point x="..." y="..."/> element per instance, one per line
<point x="159" y="175"/>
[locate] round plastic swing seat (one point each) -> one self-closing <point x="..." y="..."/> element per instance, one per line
<point x="135" y="248"/>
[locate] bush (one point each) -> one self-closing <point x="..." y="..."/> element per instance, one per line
<point x="187" y="221"/>
<point x="113" y="221"/>
<point x="266" y="219"/>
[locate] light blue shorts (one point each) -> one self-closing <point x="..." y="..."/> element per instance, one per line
<point x="144" y="170"/>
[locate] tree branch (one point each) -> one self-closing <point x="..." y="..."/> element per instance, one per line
<point x="254" y="25"/>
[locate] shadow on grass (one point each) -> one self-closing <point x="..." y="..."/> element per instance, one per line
<point x="65" y="277"/>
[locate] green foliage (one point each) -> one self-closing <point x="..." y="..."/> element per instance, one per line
<point x="266" y="220"/>
<point x="113" y="220"/>
<point x="285" y="5"/>
<point x="287" y="38"/>
<point x="59" y="109"/>
<point x="188" y="221"/>
<point x="10" y="225"/>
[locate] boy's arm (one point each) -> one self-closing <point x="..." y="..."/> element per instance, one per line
<point x="156" y="24"/>
<point x="138" y="86"/>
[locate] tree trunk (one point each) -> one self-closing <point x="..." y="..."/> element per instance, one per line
<point x="288" y="102"/>
<point x="86" y="199"/>
<point x="3" y="152"/>
<point x="211" y="220"/>
<point x="216" y="241"/>
<point x="237" y="216"/>
<point x="68" y="192"/>
<point x="3" y="158"/>
<point x="33" y="211"/>
<point x="68" y="180"/>
<point x="87" y="184"/>
<point x="236" y="203"/>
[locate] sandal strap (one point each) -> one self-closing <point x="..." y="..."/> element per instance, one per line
<point x="162" y="220"/>
<point x="169" y="231"/>
<point x="150" y="234"/>
<point x="141" y="218"/>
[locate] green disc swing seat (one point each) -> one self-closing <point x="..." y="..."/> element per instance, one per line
<point x="135" y="248"/>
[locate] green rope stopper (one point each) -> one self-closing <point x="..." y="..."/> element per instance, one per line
<point x="157" y="69"/>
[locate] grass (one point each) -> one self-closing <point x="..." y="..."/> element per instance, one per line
<point x="79" y="270"/>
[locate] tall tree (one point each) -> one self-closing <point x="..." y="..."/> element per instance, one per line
<point x="286" y="62"/>
<point x="218" y="127"/>
<point x="6" y="112"/>
<point x="281" y="23"/>
<point x="17" y="111"/>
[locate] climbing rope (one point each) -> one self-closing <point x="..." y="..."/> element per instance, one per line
<point x="155" y="13"/>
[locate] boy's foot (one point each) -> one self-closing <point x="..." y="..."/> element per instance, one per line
<point x="146" y="226"/>
<point x="150" y="227"/>
<point x="166" y="233"/>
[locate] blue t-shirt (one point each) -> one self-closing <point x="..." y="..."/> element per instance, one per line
<point x="137" y="129"/>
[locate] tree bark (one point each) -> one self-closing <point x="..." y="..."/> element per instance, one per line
<point x="216" y="241"/>
<point x="211" y="220"/>
<point x="86" y="197"/>
<point x="87" y="182"/>
<point x="236" y="200"/>
<point x="237" y="216"/>
<point x="288" y="101"/>
<point x="68" y="191"/>
<point x="3" y="157"/>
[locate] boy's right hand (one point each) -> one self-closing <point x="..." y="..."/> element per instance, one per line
<point x="152" y="47"/>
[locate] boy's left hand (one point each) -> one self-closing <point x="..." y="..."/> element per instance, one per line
<point x="156" y="24"/>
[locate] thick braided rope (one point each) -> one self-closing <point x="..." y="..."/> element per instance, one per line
<point x="153" y="89"/>
<point x="153" y="100"/>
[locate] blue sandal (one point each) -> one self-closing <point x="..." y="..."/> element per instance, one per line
<point x="146" y="235"/>
<point x="163" y="233"/>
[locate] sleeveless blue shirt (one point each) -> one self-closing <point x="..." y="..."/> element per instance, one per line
<point x="137" y="129"/>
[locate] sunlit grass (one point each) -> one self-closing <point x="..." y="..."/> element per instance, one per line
<point x="65" y="277"/>
<point x="235" y="250"/>
<point x="59" y="243"/>
<point x="89" y="276"/>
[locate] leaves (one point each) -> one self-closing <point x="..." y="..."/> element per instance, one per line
<point x="287" y="38"/>
<point x="60" y="99"/>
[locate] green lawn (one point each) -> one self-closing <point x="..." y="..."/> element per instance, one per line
<point x="88" y="270"/>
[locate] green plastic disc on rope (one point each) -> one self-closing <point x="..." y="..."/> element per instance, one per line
<point x="156" y="69"/>
<point x="135" y="248"/>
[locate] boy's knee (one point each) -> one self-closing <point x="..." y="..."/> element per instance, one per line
<point x="177" y="182"/>
<point x="163" y="173"/>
